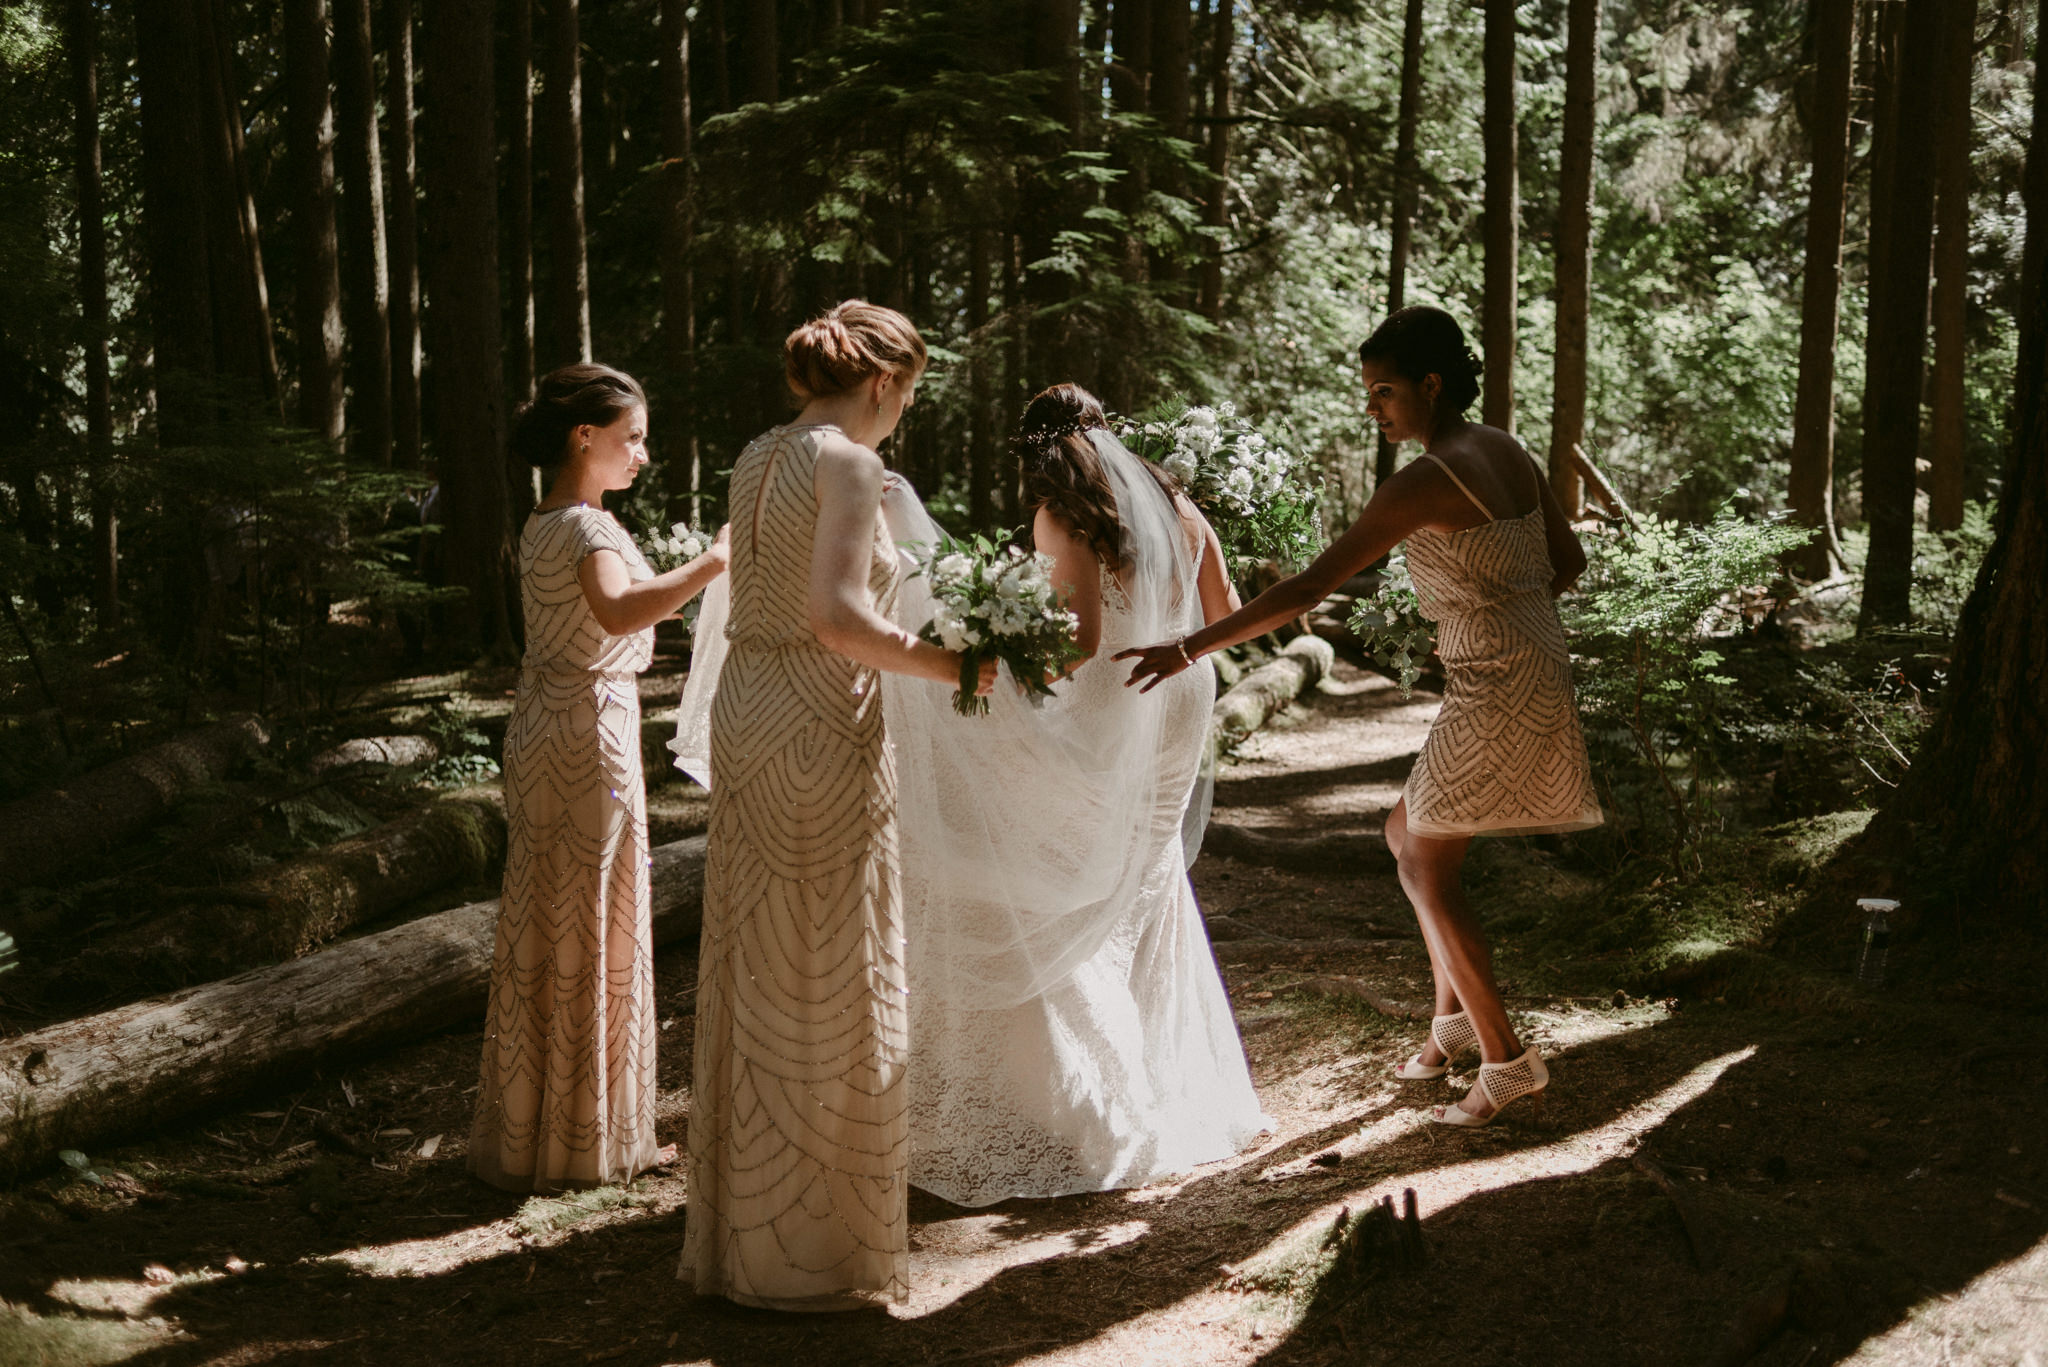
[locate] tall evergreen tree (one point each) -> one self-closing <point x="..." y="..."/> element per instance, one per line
<point x="366" y="290"/>
<point x="402" y="235"/>
<point x="1498" y="322"/>
<point x="1951" y="262"/>
<point x="82" y="40"/>
<point x="1574" y="249"/>
<point x="309" y="138"/>
<point x="567" y="336"/>
<point x="1407" y="175"/>
<point x="524" y="349"/>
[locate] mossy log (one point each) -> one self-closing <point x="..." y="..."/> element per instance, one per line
<point x="96" y="813"/>
<point x="86" y="1083"/>
<point x="1266" y="690"/>
<point x="401" y="752"/>
<point x="282" y="911"/>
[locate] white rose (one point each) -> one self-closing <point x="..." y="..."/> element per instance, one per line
<point x="675" y="547"/>
<point x="679" y="529"/>
<point x="952" y="567"/>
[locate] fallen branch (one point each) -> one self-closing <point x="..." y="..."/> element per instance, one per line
<point x="1704" y="1251"/>
<point x="98" y="812"/>
<point x="400" y="752"/>
<point x="283" y="911"/>
<point x="142" y="1066"/>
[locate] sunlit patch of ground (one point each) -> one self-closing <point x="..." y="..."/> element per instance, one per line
<point x="1999" y="1320"/>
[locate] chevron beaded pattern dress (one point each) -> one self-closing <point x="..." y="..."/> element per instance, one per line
<point x="568" y="1086"/>
<point x="799" y="1132"/>
<point x="1505" y="755"/>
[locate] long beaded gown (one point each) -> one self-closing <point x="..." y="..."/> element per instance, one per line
<point x="1505" y="755"/>
<point x="798" y="1135"/>
<point x="568" y="1078"/>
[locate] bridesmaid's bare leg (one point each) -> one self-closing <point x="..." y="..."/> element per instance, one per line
<point x="1446" y="997"/>
<point x="1458" y="952"/>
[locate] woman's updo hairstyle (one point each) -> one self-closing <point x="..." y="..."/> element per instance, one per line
<point x="1421" y="340"/>
<point x="566" y="399"/>
<point x="1063" y="472"/>
<point x="846" y="344"/>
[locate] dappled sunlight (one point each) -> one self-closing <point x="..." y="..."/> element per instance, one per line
<point x="950" y="1258"/>
<point x="2000" y="1317"/>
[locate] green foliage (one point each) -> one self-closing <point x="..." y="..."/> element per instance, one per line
<point x="468" y="756"/>
<point x="1945" y="566"/>
<point x="1651" y="602"/>
<point x="1391" y="625"/>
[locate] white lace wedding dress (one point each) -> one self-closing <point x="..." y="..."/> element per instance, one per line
<point x="1069" y="1030"/>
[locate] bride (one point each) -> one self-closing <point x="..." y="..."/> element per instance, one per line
<point x="1068" y="1028"/>
<point x="1069" y="1031"/>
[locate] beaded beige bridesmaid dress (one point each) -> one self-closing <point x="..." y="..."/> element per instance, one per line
<point x="1505" y="755"/>
<point x="798" y="1134"/>
<point x="568" y="1086"/>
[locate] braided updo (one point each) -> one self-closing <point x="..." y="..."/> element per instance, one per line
<point x="846" y="344"/>
<point x="1062" y="471"/>
<point x="566" y="399"/>
<point x="1421" y="340"/>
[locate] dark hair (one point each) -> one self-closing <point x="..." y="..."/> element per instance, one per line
<point x="566" y="398"/>
<point x="1063" y="473"/>
<point x="1419" y="341"/>
<point x="846" y="344"/>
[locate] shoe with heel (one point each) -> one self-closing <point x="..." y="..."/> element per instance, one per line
<point x="1522" y="1078"/>
<point x="1453" y="1035"/>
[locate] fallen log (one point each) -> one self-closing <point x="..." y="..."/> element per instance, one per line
<point x="86" y="1082"/>
<point x="1353" y="852"/>
<point x="1245" y="707"/>
<point x="283" y="911"/>
<point x="400" y="752"/>
<point x="97" y="812"/>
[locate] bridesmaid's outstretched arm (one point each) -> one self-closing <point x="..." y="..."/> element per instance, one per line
<point x="623" y="605"/>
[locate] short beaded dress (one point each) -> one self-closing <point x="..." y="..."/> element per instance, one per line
<point x="568" y="1086"/>
<point x="1505" y="755"/>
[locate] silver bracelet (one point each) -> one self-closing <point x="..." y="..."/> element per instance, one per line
<point x="1181" y="644"/>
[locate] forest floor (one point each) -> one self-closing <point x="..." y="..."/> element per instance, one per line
<point x="1864" y="1177"/>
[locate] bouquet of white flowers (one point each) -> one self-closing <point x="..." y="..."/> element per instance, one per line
<point x="678" y="548"/>
<point x="1392" y="626"/>
<point x="993" y="603"/>
<point x="1260" y="499"/>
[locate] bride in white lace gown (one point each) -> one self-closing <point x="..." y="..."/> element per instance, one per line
<point x="1069" y="1031"/>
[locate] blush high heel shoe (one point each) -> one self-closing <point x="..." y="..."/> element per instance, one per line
<point x="1452" y="1035"/>
<point x="1521" y="1078"/>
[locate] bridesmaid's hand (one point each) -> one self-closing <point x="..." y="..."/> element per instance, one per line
<point x="1156" y="664"/>
<point x="986" y="684"/>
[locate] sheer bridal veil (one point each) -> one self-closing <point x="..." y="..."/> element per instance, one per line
<point x="1026" y="834"/>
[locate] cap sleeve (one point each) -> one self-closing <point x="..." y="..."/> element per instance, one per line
<point x="598" y="530"/>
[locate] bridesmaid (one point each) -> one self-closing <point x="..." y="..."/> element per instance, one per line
<point x="798" y="1126"/>
<point x="1489" y="549"/>
<point x="568" y="1069"/>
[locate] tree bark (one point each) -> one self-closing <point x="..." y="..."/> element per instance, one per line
<point x="82" y="41"/>
<point x="309" y="142"/>
<point x="1898" y="326"/>
<point x="174" y="221"/>
<point x="1574" y="251"/>
<point x="1974" y="806"/>
<point x="1503" y="213"/>
<point x="366" y="291"/>
<point x="243" y="347"/>
<point x="981" y="442"/>
<point x="402" y="237"/>
<point x="1217" y="209"/>
<point x="1130" y="87"/>
<point x="97" y="813"/>
<point x="458" y="150"/>
<point x="1951" y="262"/>
<point x="762" y="50"/>
<point x="1407" y="180"/>
<point x="1172" y="105"/>
<point x="1812" y="488"/>
<point x="88" y="1082"/>
<point x="287" y="909"/>
<point x="519" y="202"/>
<point x="1055" y="48"/>
<point x="561" y="116"/>
<point x="678" y="228"/>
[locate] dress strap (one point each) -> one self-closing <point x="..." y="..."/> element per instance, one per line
<point x="1461" y="486"/>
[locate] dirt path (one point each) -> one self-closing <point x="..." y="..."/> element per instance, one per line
<point x="1862" y="1152"/>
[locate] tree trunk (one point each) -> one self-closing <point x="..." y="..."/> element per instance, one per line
<point x="1898" y="327"/>
<point x="88" y="1082"/>
<point x="1222" y="29"/>
<point x="174" y="222"/>
<point x="519" y="202"/>
<point x="1813" y="423"/>
<point x="1407" y="179"/>
<point x="1171" y="102"/>
<point x="1574" y="251"/>
<point x="243" y="346"/>
<point x="365" y="292"/>
<point x="1951" y="262"/>
<point x="1975" y="802"/>
<point x="1503" y="213"/>
<point x="458" y="149"/>
<point x="561" y="116"/>
<point x="98" y="812"/>
<point x="762" y="50"/>
<point x="82" y="40"/>
<point x="1055" y="49"/>
<point x="981" y="442"/>
<point x="678" y="229"/>
<point x="1130" y="87"/>
<point x="287" y="909"/>
<point x="309" y="142"/>
<point x="1246" y="705"/>
<point x="402" y="240"/>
